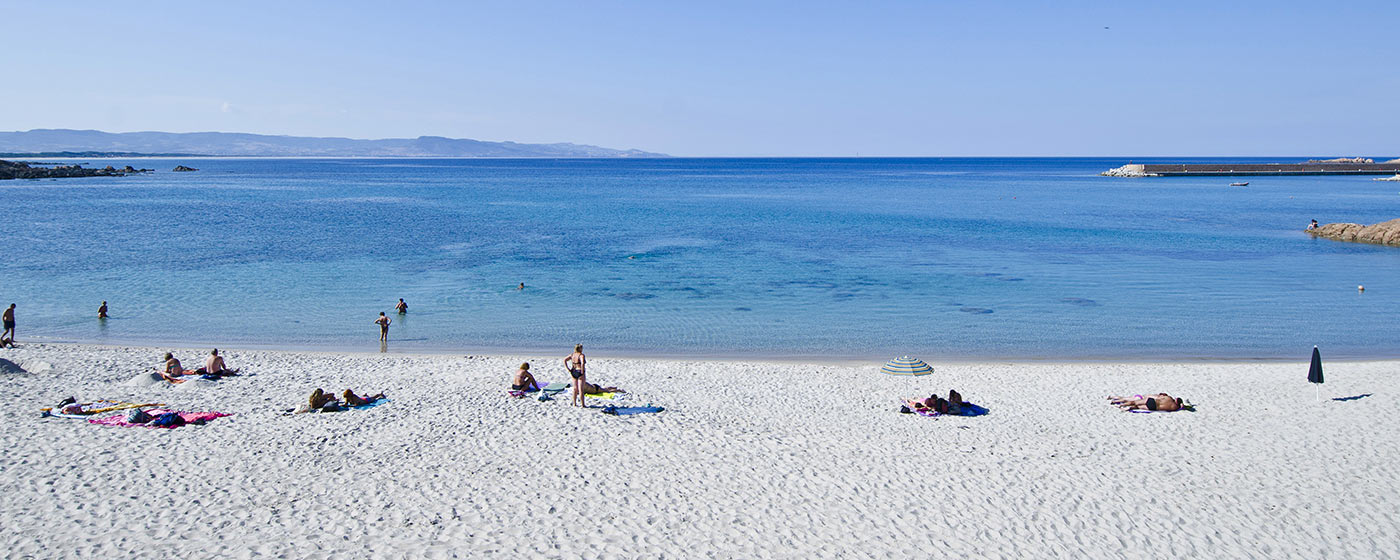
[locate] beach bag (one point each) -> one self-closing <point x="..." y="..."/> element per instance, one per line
<point x="331" y="407"/>
<point x="168" y="420"/>
<point x="137" y="416"/>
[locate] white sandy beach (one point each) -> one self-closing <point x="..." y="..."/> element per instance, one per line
<point x="749" y="460"/>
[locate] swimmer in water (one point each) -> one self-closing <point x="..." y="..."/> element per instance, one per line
<point x="102" y="311"/>
<point x="402" y="307"/>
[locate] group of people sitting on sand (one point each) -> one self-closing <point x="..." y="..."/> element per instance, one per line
<point x="214" y="366"/>
<point x="576" y="363"/>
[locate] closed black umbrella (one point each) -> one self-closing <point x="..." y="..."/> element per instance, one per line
<point x="1315" y="370"/>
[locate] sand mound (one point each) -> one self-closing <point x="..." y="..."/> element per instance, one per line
<point x="7" y="366"/>
<point x="195" y="384"/>
<point x="38" y="367"/>
<point x="144" y="380"/>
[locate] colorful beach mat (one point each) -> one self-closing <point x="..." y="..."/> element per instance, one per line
<point x="188" y="417"/>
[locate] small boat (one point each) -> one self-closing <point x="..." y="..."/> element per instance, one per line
<point x="1244" y="184"/>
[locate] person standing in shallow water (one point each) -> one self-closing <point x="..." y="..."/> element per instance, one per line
<point x="383" y="323"/>
<point x="576" y="363"/>
<point x="401" y="307"/>
<point x="102" y="311"/>
<point x="9" y="319"/>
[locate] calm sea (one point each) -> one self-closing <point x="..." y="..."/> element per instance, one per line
<point x="764" y="258"/>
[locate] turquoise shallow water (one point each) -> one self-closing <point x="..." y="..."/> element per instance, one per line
<point x="846" y="258"/>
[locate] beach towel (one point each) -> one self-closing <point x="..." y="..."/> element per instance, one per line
<point x="187" y="417"/>
<point x="608" y="396"/>
<point x="630" y="410"/>
<point x="548" y="392"/>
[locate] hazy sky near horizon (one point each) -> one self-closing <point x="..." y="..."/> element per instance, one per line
<point x="727" y="78"/>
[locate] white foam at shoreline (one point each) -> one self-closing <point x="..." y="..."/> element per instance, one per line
<point x="748" y="460"/>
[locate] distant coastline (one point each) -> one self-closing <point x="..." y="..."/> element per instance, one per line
<point x="96" y="143"/>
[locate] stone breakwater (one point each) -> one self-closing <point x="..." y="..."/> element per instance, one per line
<point x="21" y="170"/>
<point x="1251" y="169"/>
<point x="1384" y="233"/>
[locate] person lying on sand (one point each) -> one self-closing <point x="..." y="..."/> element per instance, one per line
<point x="214" y="365"/>
<point x="523" y="381"/>
<point x="591" y="389"/>
<point x="934" y="403"/>
<point x="1159" y="401"/>
<point x="172" y="370"/>
<point x="355" y="400"/>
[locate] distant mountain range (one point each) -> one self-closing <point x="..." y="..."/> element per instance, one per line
<point x="50" y="142"/>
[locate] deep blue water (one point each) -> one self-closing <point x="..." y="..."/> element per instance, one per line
<point x="847" y="258"/>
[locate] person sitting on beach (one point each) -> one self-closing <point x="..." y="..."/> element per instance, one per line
<point x="102" y="311"/>
<point x="934" y="403"/>
<point x="401" y="307"/>
<point x="352" y="399"/>
<point x="214" y="365"/>
<point x="7" y="342"/>
<point x="1159" y="401"/>
<point x="1312" y="226"/>
<point x="523" y="381"/>
<point x="172" y="370"/>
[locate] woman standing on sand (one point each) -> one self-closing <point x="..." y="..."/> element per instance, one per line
<point x="576" y="363"/>
<point x="383" y="323"/>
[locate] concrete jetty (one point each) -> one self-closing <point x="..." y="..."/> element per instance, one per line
<point x="1247" y="169"/>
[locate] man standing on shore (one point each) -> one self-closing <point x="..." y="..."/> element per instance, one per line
<point x="9" y="318"/>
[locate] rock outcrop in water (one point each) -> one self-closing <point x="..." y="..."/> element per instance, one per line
<point x="181" y="168"/>
<point x="22" y="170"/>
<point x="1384" y="233"/>
<point x="1130" y="170"/>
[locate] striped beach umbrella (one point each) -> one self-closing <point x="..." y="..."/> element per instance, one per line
<point x="904" y="365"/>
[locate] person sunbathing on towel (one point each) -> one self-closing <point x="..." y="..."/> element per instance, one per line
<point x="591" y="389"/>
<point x="172" y="369"/>
<point x="523" y="381"/>
<point x="1159" y="401"/>
<point x="934" y="403"/>
<point x="355" y="400"/>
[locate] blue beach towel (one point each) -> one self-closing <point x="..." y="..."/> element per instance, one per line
<point x="630" y="410"/>
<point x="371" y="405"/>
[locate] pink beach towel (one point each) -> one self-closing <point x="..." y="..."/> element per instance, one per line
<point x="189" y="417"/>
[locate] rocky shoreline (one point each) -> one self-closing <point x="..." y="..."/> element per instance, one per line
<point x="23" y="170"/>
<point x="1384" y="233"/>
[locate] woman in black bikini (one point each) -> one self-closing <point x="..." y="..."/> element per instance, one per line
<point x="576" y="363"/>
<point x="523" y="380"/>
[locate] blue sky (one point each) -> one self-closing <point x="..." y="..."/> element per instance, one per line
<point x="727" y="78"/>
